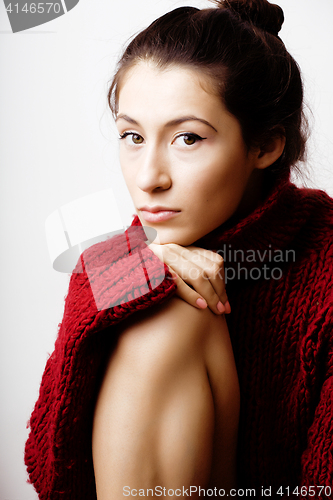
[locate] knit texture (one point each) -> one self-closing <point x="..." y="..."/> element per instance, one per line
<point x="280" y="288"/>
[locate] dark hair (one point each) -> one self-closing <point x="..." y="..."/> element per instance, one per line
<point x="238" y="46"/>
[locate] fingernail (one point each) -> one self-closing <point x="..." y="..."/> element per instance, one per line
<point x="227" y="307"/>
<point x="201" y="303"/>
<point x="220" y="307"/>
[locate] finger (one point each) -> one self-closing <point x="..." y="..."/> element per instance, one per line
<point x="192" y="294"/>
<point x="214" y="272"/>
<point x="213" y="267"/>
<point x="197" y="270"/>
<point x="213" y="264"/>
<point x="198" y="280"/>
<point x="189" y="295"/>
<point x="225" y="295"/>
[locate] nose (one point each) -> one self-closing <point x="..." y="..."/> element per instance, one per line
<point x="154" y="171"/>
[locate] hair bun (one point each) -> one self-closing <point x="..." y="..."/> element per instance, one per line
<point x="266" y="16"/>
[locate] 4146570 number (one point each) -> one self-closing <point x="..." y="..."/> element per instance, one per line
<point x="304" y="491"/>
<point x="34" y="8"/>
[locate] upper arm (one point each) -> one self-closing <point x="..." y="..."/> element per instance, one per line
<point x="155" y="416"/>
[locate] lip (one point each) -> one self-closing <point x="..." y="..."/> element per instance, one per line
<point x="158" y="213"/>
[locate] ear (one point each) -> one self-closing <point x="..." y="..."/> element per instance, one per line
<point x="269" y="152"/>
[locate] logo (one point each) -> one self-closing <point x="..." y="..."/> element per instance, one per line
<point x="24" y="15"/>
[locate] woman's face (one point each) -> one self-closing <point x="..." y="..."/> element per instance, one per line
<point x="182" y="153"/>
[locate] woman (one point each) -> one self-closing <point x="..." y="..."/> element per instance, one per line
<point x="208" y="105"/>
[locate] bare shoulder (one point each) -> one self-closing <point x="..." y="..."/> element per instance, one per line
<point x="172" y="329"/>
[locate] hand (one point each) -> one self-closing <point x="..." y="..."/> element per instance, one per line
<point x="199" y="275"/>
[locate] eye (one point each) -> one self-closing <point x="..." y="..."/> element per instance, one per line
<point x="135" y="138"/>
<point x="188" y="139"/>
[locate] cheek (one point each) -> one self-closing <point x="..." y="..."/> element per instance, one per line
<point x="218" y="187"/>
<point x="210" y="179"/>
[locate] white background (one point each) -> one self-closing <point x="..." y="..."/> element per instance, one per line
<point x="57" y="144"/>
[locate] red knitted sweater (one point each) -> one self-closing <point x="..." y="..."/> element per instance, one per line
<point x="281" y="328"/>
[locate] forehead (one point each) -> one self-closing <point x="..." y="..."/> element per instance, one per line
<point x="149" y="90"/>
<point x="168" y="73"/>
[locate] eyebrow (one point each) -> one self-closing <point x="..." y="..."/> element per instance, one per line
<point x="171" y="123"/>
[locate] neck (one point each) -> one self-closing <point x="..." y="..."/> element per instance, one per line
<point x="253" y="196"/>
